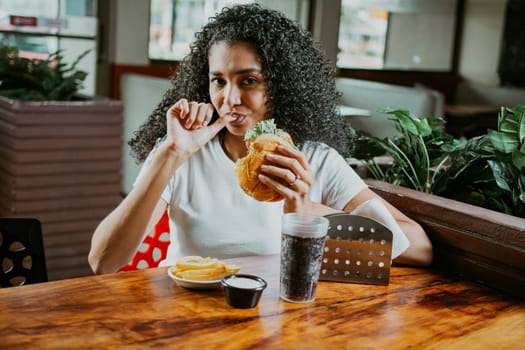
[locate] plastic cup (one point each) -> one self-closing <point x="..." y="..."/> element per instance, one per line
<point x="243" y="291"/>
<point x="302" y="246"/>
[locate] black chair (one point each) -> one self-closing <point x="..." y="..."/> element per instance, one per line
<point x="21" y="252"/>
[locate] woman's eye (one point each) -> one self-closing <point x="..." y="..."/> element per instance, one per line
<point x="217" y="81"/>
<point x="249" y="81"/>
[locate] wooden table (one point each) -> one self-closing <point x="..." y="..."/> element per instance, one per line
<point x="419" y="309"/>
<point x="470" y="120"/>
<point x="348" y="111"/>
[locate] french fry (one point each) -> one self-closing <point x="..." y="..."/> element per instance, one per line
<point x="203" y="274"/>
<point x="230" y="268"/>
<point x="197" y="268"/>
<point x="196" y="262"/>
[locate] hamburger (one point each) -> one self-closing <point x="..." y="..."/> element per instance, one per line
<point x="262" y="139"/>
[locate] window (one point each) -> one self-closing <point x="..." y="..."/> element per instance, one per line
<point x="415" y="35"/>
<point x="362" y="37"/>
<point x="41" y="27"/>
<point x="173" y="23"/>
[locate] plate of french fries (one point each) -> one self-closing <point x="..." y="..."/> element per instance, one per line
<point x="197" y="272"/>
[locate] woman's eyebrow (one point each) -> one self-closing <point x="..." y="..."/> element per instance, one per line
<point x="240" y="71"/>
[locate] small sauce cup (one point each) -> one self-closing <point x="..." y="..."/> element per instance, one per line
<point x="243" y="291"/>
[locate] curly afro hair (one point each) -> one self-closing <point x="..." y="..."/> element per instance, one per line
<point x="302" y="97"/>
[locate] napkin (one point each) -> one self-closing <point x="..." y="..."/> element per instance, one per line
<point x="376" y="210"/>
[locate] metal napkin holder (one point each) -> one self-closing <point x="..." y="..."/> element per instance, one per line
<point x="357" y="250"/>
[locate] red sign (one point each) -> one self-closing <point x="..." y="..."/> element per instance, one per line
<point x="23" y="21"/>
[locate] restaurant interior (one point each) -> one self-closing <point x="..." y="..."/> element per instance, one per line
<point x="63" y="170"/>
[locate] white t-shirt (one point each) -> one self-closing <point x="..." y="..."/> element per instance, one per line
<point x="210" y="215"/>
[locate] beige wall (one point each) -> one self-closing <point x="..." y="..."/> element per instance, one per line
<point x="129" y="32"/>
<point x="481" y="42"/>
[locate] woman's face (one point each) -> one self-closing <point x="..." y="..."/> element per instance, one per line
<point x="237" y="85"/>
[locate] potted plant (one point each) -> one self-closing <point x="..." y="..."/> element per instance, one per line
<point x="61" y="155"/>
<point x="39" y="80"/>
<point x="469" y="194"/>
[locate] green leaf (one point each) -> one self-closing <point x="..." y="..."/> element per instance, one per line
<point x="365" y="147"/>
<point x="455" y="145"/>
<point x="267" y="127"/>
<point x="518" y="159"/>
<point x="405" y="122"/>
<point x="503" y="142"/>
<point x="501" y="174"/>
<point x="522" y="127"/>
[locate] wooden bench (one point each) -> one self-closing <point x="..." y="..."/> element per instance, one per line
<point x="469" y="241"/>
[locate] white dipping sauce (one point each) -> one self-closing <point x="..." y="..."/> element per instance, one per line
<point x="243" y="282"/>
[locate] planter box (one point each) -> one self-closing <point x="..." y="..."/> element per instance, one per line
<point x="469" y="241"/>
<point x="61" y="164"/>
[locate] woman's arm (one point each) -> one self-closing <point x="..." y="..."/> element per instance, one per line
<point x="420" y="250"/>
<point x="117" y="237"/>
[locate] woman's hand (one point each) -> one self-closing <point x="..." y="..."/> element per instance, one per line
<point x="289" y="174"/>
<point x="188" y="125"/>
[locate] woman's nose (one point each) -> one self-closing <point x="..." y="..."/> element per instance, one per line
<point x="232" y="95"/>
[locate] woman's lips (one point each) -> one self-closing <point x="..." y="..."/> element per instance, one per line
<point x="239" y="118"/>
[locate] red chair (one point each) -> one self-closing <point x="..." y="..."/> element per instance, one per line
<point x="153" y="248"/>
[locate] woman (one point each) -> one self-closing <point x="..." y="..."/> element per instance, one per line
<point x="246" y="65"/>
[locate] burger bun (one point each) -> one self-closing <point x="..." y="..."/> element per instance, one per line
<point x="249" y="167"/>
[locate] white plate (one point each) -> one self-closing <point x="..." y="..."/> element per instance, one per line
<point x="193" y="284"/>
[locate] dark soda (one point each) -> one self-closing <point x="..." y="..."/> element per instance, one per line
<point x="301" y="260"/>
